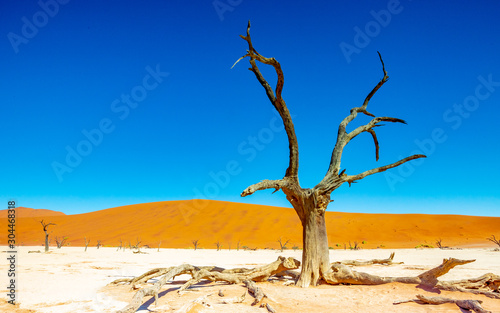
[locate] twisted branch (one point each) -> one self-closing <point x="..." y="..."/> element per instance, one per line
<point x="276" y="100"/>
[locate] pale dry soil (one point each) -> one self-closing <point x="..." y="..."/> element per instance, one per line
<point x="71" y="280"/>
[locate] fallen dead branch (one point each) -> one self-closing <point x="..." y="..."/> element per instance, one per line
<point x="387" y="261"/>
<point x="339" y="273"/>
<point x="212" y="273"/>
<point x="255" y="291"/>
<point x="474" y="305"/>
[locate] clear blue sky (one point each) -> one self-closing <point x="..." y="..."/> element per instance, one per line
<point x="150" y="83"/>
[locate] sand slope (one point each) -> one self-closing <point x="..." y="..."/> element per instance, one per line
<point x="177" y="223"/>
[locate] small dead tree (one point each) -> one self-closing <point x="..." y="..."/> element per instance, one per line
<point x="98" y="244"/>
<point x="355" y="247"/>
<point x="439" y="243"/>
<point x="45" y="230"/>
<point x="219" y="245"/>
<point x="310" y="204"/>
<point x="137" y="245"/>
<point x="159" y="244"/>
<point x="282" y="244"/>
<point x="494" y="240"/>
<point x="60" y="241"/>
<point x="238" y="246"/>
<point x="120" y="246"/>
<point x="87" y="242"/>
<point x="195" y="243"/>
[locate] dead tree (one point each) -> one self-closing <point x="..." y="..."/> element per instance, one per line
<point x="311" y="203"/>
<point x="98" y="244"/>
<point x="159" y="244"/>
<point x="60" y="241"/>
<point x="121" y="245"/>
<point x="218" y="244"/>
<point x="195" y="243"/>
<point x="494" y="240"/>
<point x="87" y="242"/>
<point x="282" y="244"/>
<point x="45" y="230"/>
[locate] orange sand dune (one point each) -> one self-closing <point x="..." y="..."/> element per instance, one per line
<point x="177" y="223"/>
<point x="27" y="212"/>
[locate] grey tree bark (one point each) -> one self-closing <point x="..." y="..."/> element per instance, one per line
<point x="310" y="204"/>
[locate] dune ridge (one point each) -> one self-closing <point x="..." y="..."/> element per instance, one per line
<point x="28" y="212"/>
<point x="177" y="223"/>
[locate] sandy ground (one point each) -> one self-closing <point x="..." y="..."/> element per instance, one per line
<point x="71" y="280"/>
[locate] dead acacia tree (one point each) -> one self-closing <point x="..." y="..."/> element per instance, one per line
<point x="311" y="203"/>
<point x="283" y="244"/>
<point x="60" y="241"/>
<point x="87" y="242"/>
<point x="195" y="243"/>
<point x="494" y="240"/>
<point x="218" y="244"/>
<point x="45" y="230"/>
<point x="98" y="244"/>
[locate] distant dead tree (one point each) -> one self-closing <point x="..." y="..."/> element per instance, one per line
<point x="494" y="240"/>
<point x="195" y="243"/>
<point x="282" y="244"/>
<point x="45" y="230"/>
<point x="355" y="247"/>
<point x="159" y="244"/>
<point x="310" y="204"/>
<point x="60" y="241"/>
<point x="137" y="244"/>
<point x="238" y="246"/>
<point x="87" y="242"/>
<point x="439" y="244"/>
<point x="218" y="244"/>
<point x="120" y="246"/>
<point x="98" y="244"/>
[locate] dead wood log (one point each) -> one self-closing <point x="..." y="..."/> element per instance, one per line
<point x="474" y="305"/>
<point x="237" y="276"/>
<point x="387" y="261"/>
<point x="342" y="274"/>
<point x="211" y="273"/>
<point x="154" y="290"/>
<point x="256" y="291"/>
<point x="487" y="285"/>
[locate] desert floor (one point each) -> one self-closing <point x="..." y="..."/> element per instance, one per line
<point x="71" y="280"/>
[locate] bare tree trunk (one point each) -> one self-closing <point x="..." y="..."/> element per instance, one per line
<point x="46" y="242"/>
<point x="315" y="256"/>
